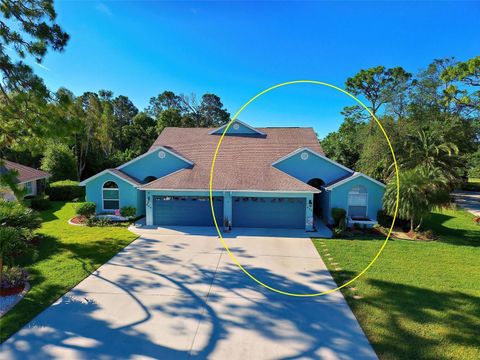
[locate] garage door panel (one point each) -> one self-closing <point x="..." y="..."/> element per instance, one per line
<point x="269" y="212"/>
<point x="186" y="211"/>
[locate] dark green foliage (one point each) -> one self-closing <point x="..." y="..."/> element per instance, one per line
<point x="66" y="190"/>
<point x="128" y="211"/>
<point x="40" y="203"/>
<point x="16" y="215"/>
<point x="59" y="161"/>
<point x="100" y="222"/>
<point x="13" y="277"/>
<point x="422" y="190"/>
<point x="338" y="214"/>
<point x="384" y="219"/>
<point x="86" y="209"/>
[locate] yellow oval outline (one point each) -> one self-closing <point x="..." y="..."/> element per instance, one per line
<point x="315" y="82"/>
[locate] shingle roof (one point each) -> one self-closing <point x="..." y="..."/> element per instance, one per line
<point x="243" y="162"/>
<point x="125" y="176"/>
<point x="25" y="173"/>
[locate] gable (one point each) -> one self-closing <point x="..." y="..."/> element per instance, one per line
<point x="155" y="163"/>
<point x="357" y="179"/>
<point x="237" y="127"/>
<point x="305" y="165"/>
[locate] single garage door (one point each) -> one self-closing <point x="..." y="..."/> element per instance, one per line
<point x="186" y="210"/>
<point x="262" y="212"/>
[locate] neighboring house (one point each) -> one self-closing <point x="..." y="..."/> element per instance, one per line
<point x="265" y="177"/>
<point x="31" y="179"/>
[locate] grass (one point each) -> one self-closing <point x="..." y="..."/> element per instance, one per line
<point x="65" y="256"/>
<point x="420" y="300"/>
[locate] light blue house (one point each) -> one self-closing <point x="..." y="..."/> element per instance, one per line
<point x="263" y="178"/>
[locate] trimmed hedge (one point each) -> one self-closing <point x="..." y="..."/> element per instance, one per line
<point x="40" y="204"/>
<point x="65" y="190"/>
<point x="86" y="209"/>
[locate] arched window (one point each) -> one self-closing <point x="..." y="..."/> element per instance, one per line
<point x="149" y="179"/>
<point x="110" y="196"/>
<point x="357" y="202"/>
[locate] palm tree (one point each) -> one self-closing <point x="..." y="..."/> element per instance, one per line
<point x="422" y="190"/>
<point x="431" y="151"/>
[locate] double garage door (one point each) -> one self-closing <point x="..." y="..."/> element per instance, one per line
<point x="186" y="210"/>
<point x="255" y="212"/>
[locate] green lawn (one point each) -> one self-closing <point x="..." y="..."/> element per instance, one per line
<point x="66" y="255"/>
<point x="420" y="300"/>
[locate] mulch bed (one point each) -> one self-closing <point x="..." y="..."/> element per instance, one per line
<point x="78" y="220"/>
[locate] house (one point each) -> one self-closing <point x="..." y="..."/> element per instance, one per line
<point x="263" y="177"/>
<point x="31" y="179"/>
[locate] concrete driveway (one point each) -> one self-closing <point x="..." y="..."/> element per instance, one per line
<point x="175" y="294"/>
<point x="469" y="200"/>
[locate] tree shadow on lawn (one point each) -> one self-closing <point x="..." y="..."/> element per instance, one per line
<point x="49" y="215"/>
<point x="453" y="236"/>
<point x="416" y="323"/>
<point x="145" y="312"/>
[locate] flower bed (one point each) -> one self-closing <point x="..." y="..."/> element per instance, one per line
<point x="79" y="220"/>
<point x="13" y="281"/>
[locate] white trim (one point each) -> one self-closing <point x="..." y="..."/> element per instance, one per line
<point x="32" y="190"/>
<point x="239" y="122"/>
<point x="84" y="182"/>
<point x="348" y="202"/>
<point x="103" y="200"/>
<point x="151" y="152"/>
<point x="361" y="222"/>
<point x="354" y="176"/>
<point x="233" y="191"/>
<point x="299" y="150"/>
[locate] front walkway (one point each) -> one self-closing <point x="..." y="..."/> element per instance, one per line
<point x="468" y="200"/>
<point x="175" y="294"/>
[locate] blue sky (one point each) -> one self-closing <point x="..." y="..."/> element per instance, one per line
<point x="235" y="50"/>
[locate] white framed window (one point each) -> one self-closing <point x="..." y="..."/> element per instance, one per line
<point x="358" y="202"/>
<point x="110" y="196"/>
<point x="28" y="186"/>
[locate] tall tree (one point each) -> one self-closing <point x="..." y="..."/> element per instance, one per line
<point x="379" y="85"/>
<point x="463" y="84"/>
<point x="28" y="30"/>
<point x="345" y="145"/>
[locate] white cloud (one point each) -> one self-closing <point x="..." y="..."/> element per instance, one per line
<point x="42" y="66"/>
<point x="104" y="9"/>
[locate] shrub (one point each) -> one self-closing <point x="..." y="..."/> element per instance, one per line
<point x="13" y="277"/>
<point x="94" y="221"/>
<point x="17" y="215"/>
<point x="86" y="209"/>
<point x="384" y="219"/>
<point x="338" y="214"/>
<point x="337" y="232"/>
<point x="128" y="211"/>
<point x="65" y="190"/>
<point x="40" y="204"/>
<point x="60" y="162"/>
